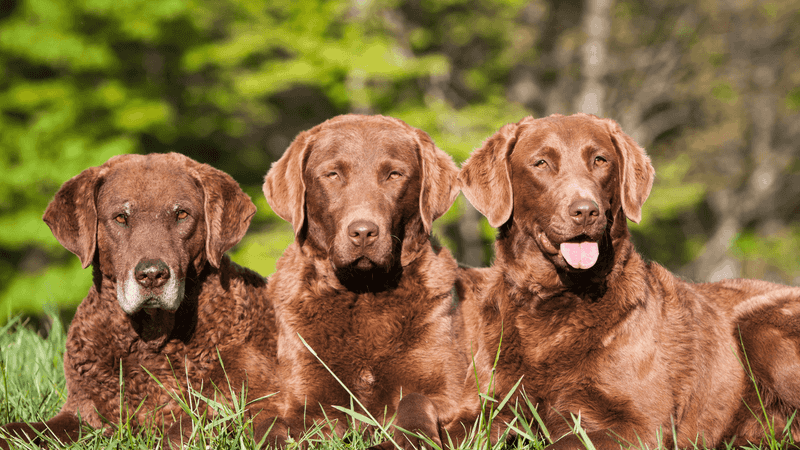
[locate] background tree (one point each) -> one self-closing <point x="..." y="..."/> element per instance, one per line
<point x="712" y="90"/>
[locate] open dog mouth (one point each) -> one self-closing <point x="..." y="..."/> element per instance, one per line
<point x="580" y="252"/>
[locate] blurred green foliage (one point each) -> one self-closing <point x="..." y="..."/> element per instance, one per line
<point x="231" y="82"/>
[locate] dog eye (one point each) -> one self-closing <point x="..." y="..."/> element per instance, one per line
<point x="182" y="215"/>
<point x="541" y="164"/>
<point x="599" y="160"/>
<point x="121" y="219"/>
<point x="332" y="175"/>
<point x="395" y="175"/>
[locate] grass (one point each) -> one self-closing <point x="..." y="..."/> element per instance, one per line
<point x="32" y="388"/>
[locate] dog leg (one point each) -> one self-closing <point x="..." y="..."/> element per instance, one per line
<point x="272" y="430"/>
<point x="771" y="358"/>
<point x="417" y="414"/>
<point x="64" y="427"/>
<point x="601" y="440"/>
<point x="772" y="351"/>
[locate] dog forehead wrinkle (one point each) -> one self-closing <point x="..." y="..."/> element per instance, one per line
<point x="164" y="175"/>
<point x="360" y="144"/>
<point x="334" y="141"/>
<point x="393" y="161"/>
<point x="534" y="145"/>
<point x="148" y="190"/>
<point x="564" y="136"/>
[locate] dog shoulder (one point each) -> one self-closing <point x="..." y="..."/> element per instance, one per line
<point x="439" y="271"/>
<point x="98" y="325"/>
<point x="470" y="281"/>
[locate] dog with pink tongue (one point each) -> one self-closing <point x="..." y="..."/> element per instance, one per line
<point x="559" y="190"/>
<point x="580" y="255"/>
<point x="572" y="321"/>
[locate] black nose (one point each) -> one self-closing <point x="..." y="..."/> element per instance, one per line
<point x="362" y="232"/>
<point x="584" y="212"/>
<point x="152" y="273"/>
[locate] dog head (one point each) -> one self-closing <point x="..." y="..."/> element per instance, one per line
<point x="146" y="219"/>
<point x="560" y="180"/>
<point x="362" y="191"/>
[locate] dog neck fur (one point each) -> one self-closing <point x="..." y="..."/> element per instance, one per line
<point x="326" y="283"/>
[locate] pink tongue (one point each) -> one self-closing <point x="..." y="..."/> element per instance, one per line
<point x="580" y="255"/>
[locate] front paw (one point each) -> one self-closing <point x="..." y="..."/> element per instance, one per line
<point x="271" y="432"/>
<point x="416" y="417"/>
<point x="407" y="442"/>
<point x="177" y="435"/>
<point x="20" y="430"/>
<point x="599" y="440"/>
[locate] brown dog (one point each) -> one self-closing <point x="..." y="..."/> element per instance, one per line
<point x="165" y="300"/>
<point x="644" y="358"/>
<point x="361" y="284"/>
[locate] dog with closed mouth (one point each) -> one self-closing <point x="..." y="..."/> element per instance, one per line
<point x="641" y="357"/>
<point x="166" y="305"/>
<point x="362" y="285"/>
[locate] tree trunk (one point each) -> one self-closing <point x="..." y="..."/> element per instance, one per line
<point x="597" y="28"/>
<point x="735" y="207"/>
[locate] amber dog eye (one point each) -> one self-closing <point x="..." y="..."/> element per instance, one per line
<point x="121" y="219"/>
<point x="182" y="215"/>
<point x="599" y="161"/>
<point x="541" y="164"/>
<point x="395" y="175"/>
<point x="333" y="175"/>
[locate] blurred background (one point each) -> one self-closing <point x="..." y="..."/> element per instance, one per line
<point x="710" y="88"/>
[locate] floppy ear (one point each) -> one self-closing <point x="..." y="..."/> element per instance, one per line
<point x="439" y="180"/>
<point x="284" y="187"/>
<point x="228" y="209"/>
<point x="636" y="172"/>
<point x="486" y="179"/>
<point x="72" y="214"/>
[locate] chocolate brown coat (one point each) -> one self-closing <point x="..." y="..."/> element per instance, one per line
<point x="642" y="356"/>
<point x="361" y="284"/>
<point x="167" y="304"/>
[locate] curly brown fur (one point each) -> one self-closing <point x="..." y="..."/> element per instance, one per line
<point x="645" y="358"/>
<point x="167" y="304"/>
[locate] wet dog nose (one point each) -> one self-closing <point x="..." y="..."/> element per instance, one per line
<point x="152" y="273"/>
<point x="584" y="212"/>
<point x="362" y="232"/>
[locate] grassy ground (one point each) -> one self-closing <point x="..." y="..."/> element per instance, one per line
<point x="32" y="388"/>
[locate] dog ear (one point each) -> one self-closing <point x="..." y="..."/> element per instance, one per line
<point x="486" y="179"/>
<point x="283" y="185"/>
<point x="72" y="214"/>
<point x="636" y="172"/>
<point x="228" y="209"/>
<point x="439" y="180"/>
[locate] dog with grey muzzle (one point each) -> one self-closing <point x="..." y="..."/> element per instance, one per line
<point x="167" y="310"/>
